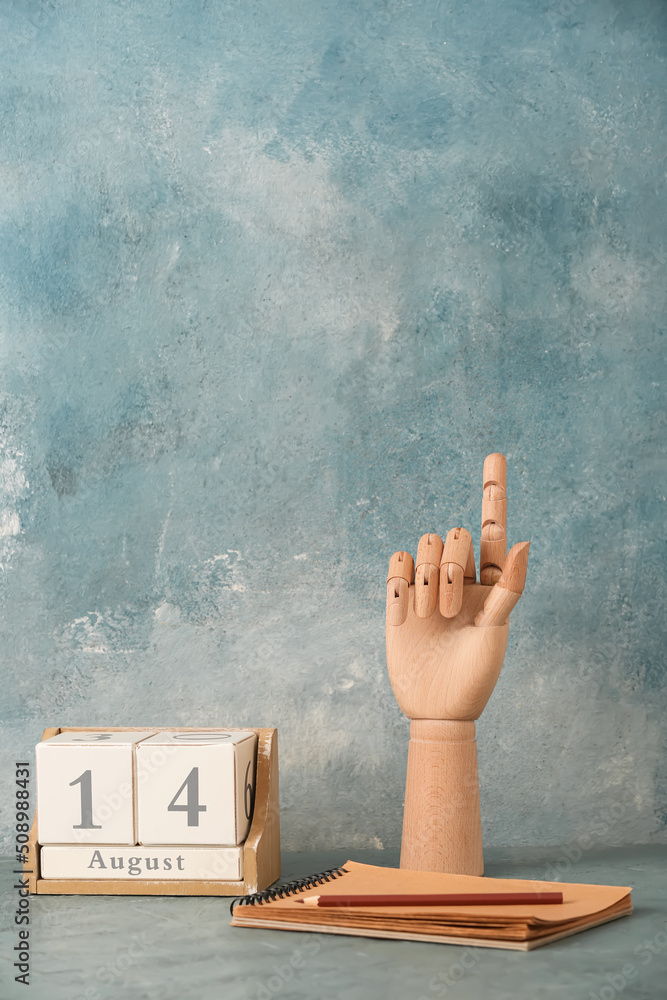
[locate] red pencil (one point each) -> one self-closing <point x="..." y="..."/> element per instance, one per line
<point x="438" y="899"/>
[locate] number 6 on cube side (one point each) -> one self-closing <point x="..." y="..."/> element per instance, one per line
<point x="248" y="793"/>
<point x="196" y="788"/>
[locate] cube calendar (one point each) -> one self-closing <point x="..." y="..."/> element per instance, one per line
<point x="145" y="804"/>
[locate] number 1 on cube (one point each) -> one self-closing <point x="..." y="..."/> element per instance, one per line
<point x="85" y="780"/>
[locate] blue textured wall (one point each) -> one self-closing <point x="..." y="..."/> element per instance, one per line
<point x="274" y="277"/>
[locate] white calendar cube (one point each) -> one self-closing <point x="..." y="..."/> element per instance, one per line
<point x="201" y="792"/>
<point x="86" y="786"/>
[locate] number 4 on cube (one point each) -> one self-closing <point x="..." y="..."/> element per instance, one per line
<point x="196" y="788"/>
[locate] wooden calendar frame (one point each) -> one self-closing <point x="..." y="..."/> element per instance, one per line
<point x="261" y="850"/>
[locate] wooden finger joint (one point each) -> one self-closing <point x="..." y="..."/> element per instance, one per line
<point x="454" y="566"/>
<point x="401" y="566"/>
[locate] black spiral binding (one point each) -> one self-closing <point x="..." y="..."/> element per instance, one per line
<point x="289" y="889"/>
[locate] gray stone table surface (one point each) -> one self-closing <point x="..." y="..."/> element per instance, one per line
<point x="159" y="948"/>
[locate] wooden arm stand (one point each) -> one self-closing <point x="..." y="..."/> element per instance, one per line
<point x="442" y="828"/>
<point x="261" y="850"/>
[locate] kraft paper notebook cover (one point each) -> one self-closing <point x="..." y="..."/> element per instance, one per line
<point x="517" y="926"/>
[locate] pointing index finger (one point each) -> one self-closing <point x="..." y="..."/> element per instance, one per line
<point x="493" y="545"/>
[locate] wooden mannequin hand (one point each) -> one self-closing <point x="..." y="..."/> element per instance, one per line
<point x="446" y="634"/>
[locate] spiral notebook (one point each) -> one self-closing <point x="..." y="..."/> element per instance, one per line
<point x="515" y="926"/>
